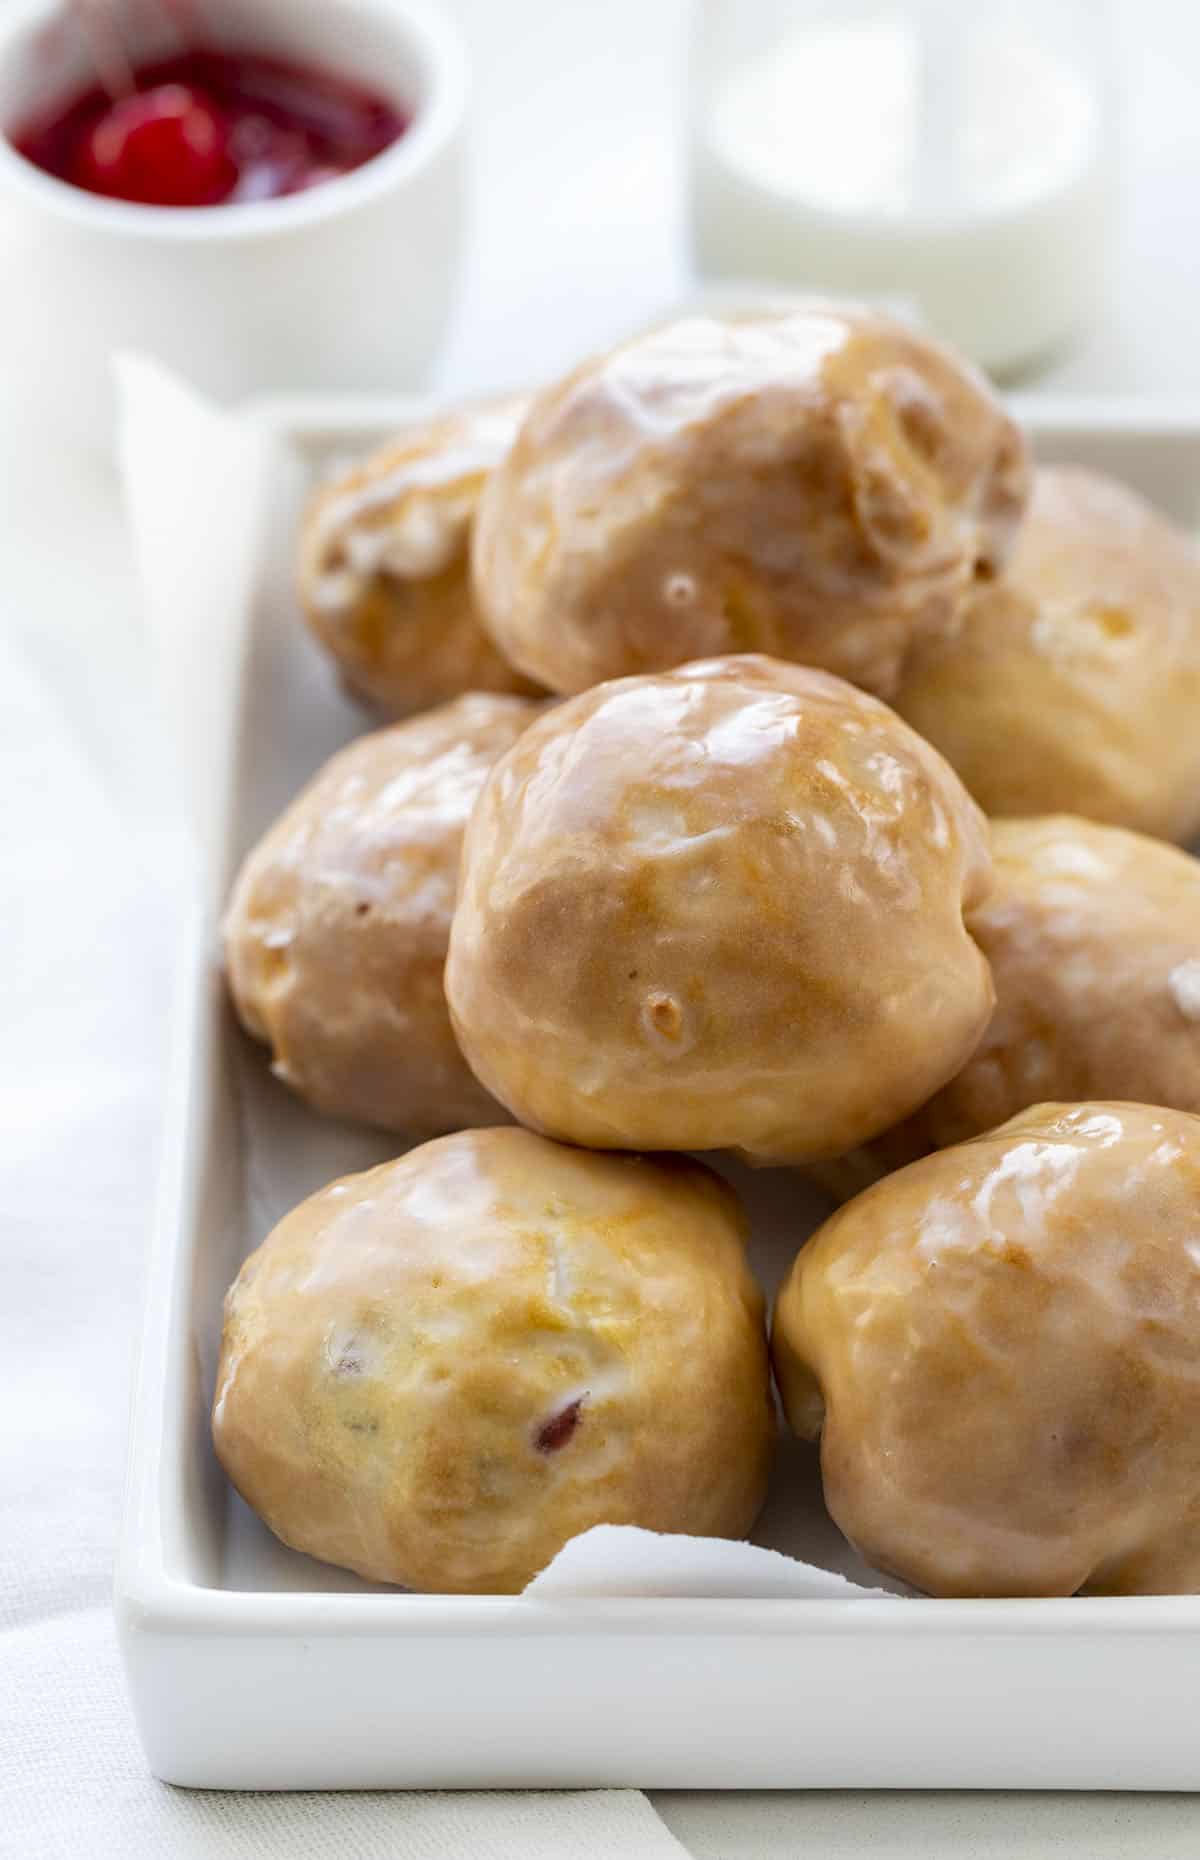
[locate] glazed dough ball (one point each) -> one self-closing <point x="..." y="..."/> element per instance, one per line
<point x="1093" y="939"/>
<point x="819" y="484"/>
<point x="1093" y="936"/>
<point x="722" y="907"/>
<point x="999" y="1349"/>
<point x="335" y="937"/>
<point x="438" y="1372"/>
<point x="383" y="568"/>
<point x="1074" y="683"/>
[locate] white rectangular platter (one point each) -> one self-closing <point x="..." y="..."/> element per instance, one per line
<point x="253" y="1667"/>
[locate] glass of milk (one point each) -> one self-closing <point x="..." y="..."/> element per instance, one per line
<point x="959" y="153"/>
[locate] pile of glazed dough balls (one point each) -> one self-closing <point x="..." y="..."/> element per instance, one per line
<point x="805" y="615"/>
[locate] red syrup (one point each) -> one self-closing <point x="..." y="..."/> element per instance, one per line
<point x="211" y="128"/>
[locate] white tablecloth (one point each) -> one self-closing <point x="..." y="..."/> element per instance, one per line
<point x="86" y="862"/>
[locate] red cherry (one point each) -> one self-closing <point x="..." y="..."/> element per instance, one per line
<point x="555" y="1433"/>
<point x="164" y="147"/>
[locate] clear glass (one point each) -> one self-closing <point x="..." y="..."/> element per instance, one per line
<point x="955" y="153"/>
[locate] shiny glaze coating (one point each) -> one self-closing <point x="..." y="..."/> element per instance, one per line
<point x="438" y="1372"/>
<point x="1093" y="936"/>
<point x="820" y="484"/>
<point x="336" y="933"/>
<point x="1093" y="939"/>
<point x="1073" y="683"/>
<point x="383" y="571"/>
<point x="1000" y="1349"/>
<point x="721" y="907"/>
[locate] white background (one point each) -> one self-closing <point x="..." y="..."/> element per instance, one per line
<point x="577" y="233"/>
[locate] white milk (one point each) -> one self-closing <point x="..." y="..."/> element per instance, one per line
<point x="938" y="151"/>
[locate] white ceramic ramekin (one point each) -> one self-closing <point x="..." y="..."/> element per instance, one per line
<point x="346" y="288"/>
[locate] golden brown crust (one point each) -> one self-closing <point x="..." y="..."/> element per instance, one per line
<point x="999" y="1348"/>
<point x="722" y="907"/>
<point x="1092" y="935"/>
<point x="819" y="484"/>
<point x="438" y="1372"/>
<point x="1072" y="684"/>
<point x="383" y="570"/>
<point x="336" y="932"/>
